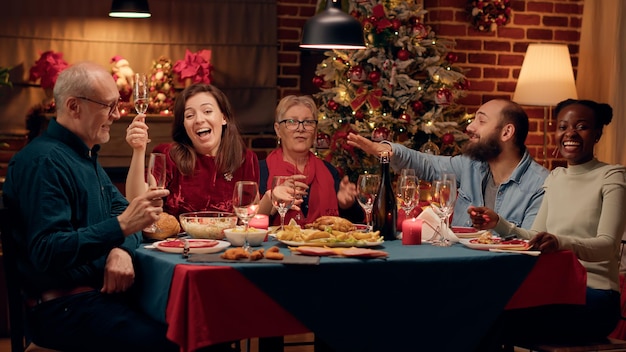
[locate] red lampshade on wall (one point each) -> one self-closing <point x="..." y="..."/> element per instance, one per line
<point x="130" y="9"/>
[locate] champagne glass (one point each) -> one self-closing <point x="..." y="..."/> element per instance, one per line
<point x="407" y="172"/>
<point x="283" y="196"/>
<point x="367" y="188"/>
<point x="140" y="93"/>
<point x="246" y="205"/>
<point x="155" y="178"/>
<point x="443" y="198"/>
<point x="452" y="178"/>
<point x="408" y="193"/>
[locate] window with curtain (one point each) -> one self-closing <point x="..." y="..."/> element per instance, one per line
<point x="241" y="35"/>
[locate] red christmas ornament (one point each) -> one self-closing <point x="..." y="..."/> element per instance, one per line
<point x="403" y="54"/>
<point x="374" y="76"/>
<point x="443" y="97"/>
<point x="318" y="81"/>
<point x="452" y="58"/>
<point x="420" y="31"/>
<point x="417" y="106"/>
<point x="359" y="115"/>
<point x="447" y="138"/>
<point x="322" y="141"/>
<point x="404" y="117"/>
<point x="357" y="75"/>
<point x="396" y="24"/>
<point x="332" y="105"/>
<point x="380" y="133"/>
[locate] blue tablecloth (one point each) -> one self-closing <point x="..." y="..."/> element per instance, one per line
<point x="421" y="297"/>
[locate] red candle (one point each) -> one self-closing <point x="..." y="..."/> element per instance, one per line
<point x="259" y="221"/>
<point x="412" y="231"/>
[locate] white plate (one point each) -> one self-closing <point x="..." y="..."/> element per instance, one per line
<point x="332" y="244"/>
<point x="466" y="232"/>
<point x="486" y="246"/>
<point x="194" y="250"/>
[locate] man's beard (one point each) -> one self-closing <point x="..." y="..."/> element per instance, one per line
<point x="484" y="151"/>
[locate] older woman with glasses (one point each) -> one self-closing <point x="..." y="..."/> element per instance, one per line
<point x="322" y="189"/>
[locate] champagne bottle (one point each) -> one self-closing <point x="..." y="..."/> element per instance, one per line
<point x="385" y="211"/>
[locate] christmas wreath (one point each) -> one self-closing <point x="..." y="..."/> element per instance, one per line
<point x="486" y="16"/>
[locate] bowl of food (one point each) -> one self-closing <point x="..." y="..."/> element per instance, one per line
<point x="237" y="235"/>
<point x="207" y="224"/>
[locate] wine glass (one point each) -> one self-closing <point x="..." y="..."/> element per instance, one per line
<point x="443" y="198"/>
<point x="155" y="178"/>
<point x="452" y="178"/>
<point x="367" y="188"/>
<point x="408" y="193"/>
<point x="283" y="196"/>
<point x="140" y="93"/>
<point x="407" y="172"/>
<point x="246" y="205"/>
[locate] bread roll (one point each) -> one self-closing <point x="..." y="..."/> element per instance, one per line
<point x="167" y="226"/>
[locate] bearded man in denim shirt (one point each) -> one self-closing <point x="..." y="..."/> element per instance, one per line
<point x="494" y="170"/>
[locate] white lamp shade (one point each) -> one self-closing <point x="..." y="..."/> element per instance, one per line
<point x="546" y="77"/>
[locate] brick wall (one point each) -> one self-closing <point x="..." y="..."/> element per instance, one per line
<point x="493" y="59"/>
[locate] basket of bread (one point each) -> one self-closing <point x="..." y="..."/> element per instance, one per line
<point x="331" y="231"/>
<point x="166" y="226"/>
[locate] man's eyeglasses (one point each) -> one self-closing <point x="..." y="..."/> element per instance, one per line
<point x="293" y="125"/>
<point x="112" y="106"/>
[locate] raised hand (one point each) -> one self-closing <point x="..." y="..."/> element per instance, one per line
<point x="137" y="133"/>
<point x="371" y="148"/>
<point x="347" y="193"/>
<point x="545" y="242"/>
<point x="483" y="218"/>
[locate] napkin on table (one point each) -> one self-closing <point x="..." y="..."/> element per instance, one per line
<point x="431" y="223"/>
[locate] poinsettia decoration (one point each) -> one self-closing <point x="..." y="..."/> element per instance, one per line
<point x="487" y="16"/>
<point x="47" y="68"/>
<point x="195" y="66"/>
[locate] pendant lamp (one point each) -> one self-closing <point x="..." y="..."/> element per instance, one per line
<point x="130" y="9"/>
<point x="332" y="29"/>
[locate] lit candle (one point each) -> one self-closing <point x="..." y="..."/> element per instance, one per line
<point x="412" y="231"/>
<point x="260" y="221"/>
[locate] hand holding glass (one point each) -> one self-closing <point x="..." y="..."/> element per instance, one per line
<point x="140" y="93"/>
<point x="283" y="196"/>
<point x="155" y="178"/>
<point x="367" y="188"/>
<point x="246" y="204"/>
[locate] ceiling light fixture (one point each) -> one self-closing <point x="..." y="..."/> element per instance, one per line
<point x="332" y="29"/>
<point x="130" y="9"/>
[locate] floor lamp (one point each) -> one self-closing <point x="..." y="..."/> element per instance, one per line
<point x="546" y="78"/>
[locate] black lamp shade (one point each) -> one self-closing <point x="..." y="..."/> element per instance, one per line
<point x="332" y="29"/>
<point x="130" y="9"/>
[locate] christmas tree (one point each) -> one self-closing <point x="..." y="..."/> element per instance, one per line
<point x="162" y="92"/>
<point x="401" y="88"/>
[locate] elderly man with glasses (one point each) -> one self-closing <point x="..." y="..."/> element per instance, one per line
<point x="75" y="234"/>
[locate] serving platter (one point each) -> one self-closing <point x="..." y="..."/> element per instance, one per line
<point x="359" y="244"/>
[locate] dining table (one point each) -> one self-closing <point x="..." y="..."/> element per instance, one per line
<point x="420" y="297"/>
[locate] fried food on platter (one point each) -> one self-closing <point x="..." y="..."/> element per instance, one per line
<point x="312" y="233"/>
<point x="234" y="254"/>
<point x="274" y="253"/>
<point x="334" y="222"/>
